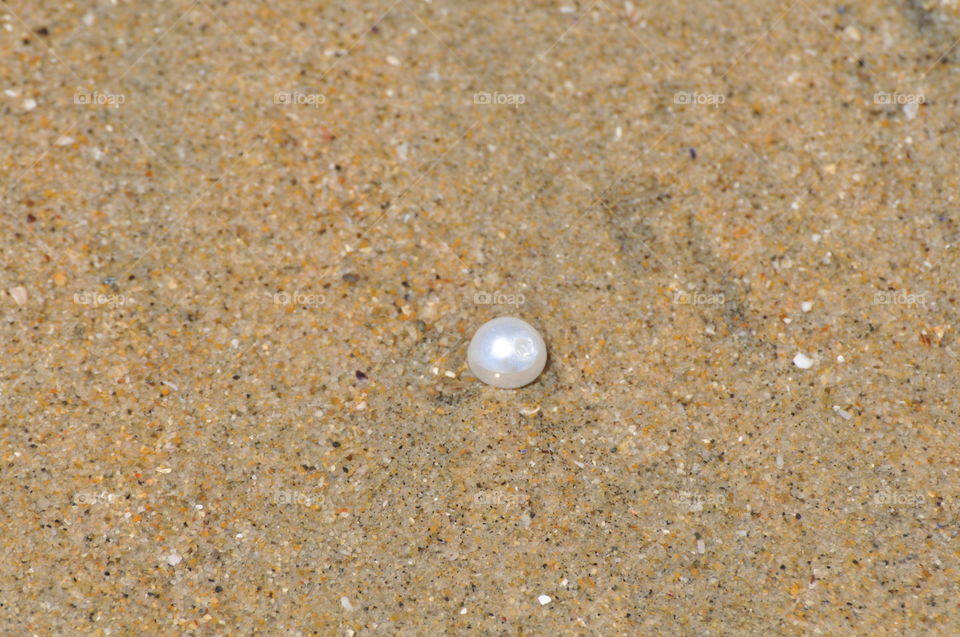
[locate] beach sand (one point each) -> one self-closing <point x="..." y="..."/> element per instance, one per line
<point x="245" y="245"/>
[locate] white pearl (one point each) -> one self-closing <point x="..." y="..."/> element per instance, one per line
<point x="507" y="352"/>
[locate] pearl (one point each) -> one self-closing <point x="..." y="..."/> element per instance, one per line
<point x="507" y="352"/>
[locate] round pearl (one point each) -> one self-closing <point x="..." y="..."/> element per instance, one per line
<point x="507" y="352"/>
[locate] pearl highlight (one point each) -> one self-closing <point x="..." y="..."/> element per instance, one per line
<point x="507" y="352"/>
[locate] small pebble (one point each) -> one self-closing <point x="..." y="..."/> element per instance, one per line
<point x="345" y="602"/>
<point x="544" y="600"/>
<point x="806" y="306"/>
<point x="173" y="559"/>
<point x="853" y="33"/>
<point x="843" y="413"/>
<point x="29" y="104"/>
<point x="802" y="361"/>
<point x="19" y="294"/>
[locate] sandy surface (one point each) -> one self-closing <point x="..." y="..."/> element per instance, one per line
<point x="245" y="244"/>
